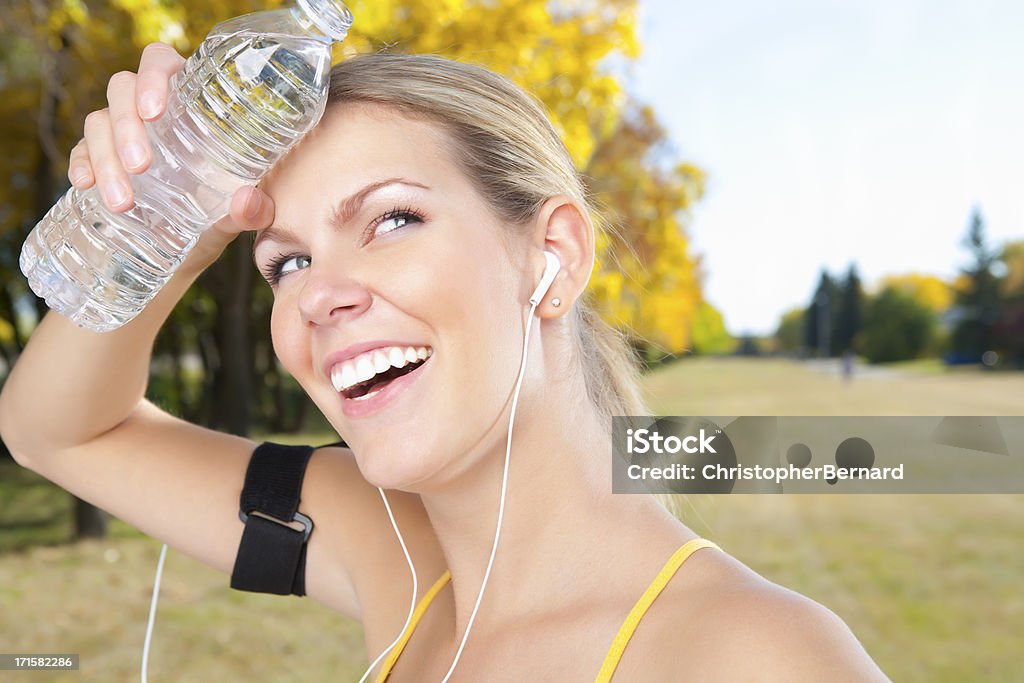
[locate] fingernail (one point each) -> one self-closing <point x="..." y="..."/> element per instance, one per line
<point x="149" y="105"/>
<point x="115" y="192"/>
<point x="134" y="155"/>
<point x="79" y="176"/>
<point x="253" y="203"/>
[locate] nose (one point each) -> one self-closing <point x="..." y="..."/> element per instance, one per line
<point x="329" y="295"/>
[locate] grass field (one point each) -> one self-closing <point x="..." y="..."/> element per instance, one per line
<point x="932" y="585"/>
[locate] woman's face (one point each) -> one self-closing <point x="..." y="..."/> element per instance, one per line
<point x="381" y="249"/>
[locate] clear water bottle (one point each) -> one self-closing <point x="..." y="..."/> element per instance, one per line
<point x="255" y="86"/>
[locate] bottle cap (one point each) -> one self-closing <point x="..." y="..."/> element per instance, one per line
<point x="330" y="16"/>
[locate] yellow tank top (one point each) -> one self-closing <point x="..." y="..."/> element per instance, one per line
<point x="618" y="646"/>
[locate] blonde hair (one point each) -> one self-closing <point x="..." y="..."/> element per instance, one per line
<point x="506" y="145"/>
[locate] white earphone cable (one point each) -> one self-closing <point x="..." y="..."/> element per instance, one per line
<point x="152" y="610"/>
<point x="504" y="487"/>
<point x="415" y="586"/>
<point x="412" y="604"/>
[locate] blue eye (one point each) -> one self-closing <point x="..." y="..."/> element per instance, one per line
<point x="284" y="270"/>
<point x="396" y="218"/>
<point x="278" y="266"/>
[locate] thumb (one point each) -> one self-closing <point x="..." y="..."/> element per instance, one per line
<point x="251" y="209"/>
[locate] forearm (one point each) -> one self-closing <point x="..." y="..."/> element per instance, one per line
<point x="71" y="384"/>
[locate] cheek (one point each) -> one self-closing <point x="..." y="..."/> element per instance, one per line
<point x="293" y="354"/>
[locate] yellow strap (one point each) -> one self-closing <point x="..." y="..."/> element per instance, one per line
<point x="424" y="603"/>
<point x="640" y="608"/>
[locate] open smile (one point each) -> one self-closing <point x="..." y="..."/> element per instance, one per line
<point x="370" y="380"/>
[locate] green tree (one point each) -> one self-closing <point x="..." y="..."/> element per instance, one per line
<point x="896" y="327"/>
<point x="850" y="313"/>
<point x="789" y="336"/>
<point x="820" y="316"/>
<point x="979" y="300"/>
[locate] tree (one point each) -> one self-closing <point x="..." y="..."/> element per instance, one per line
<point x="932" y="293"/>
<point x="928" y="290"/>
<point x="647" y="281"/>
<point x="708" y="332"/>
<point x="1011" y="258"/>
<point x="1008" y="330"/>
<point x="978" y="302"/>
<point x="789" y="336"/>
<point x="850" y="313"/>
<point x="896" y="327"/>
<point x="820" y="316"/>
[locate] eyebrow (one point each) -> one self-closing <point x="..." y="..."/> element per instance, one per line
<point x="341" y="214"/>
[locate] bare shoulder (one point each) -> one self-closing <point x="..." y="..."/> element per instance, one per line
<point x="740" y="626"/>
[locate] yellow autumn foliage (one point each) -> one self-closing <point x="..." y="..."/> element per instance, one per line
<point x="929" y="290"/>
<point x="1012" y="258"/>
<point x="560" y="51"/>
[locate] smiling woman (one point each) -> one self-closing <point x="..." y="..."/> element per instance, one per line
<point x="402" y="240"/>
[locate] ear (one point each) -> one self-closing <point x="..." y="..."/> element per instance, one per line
<point x="563" y="227"/>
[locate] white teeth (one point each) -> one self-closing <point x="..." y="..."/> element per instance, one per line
<point x="365" y="396"/>
<point x="348" y="375"/>
<point x="397" y="358"/>
<point x="364" y="369"/>
<point x="366" y="366"/>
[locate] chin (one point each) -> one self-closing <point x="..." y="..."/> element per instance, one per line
<point x="391" y="461"/>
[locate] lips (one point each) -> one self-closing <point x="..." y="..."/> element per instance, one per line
<point x="380" y="394"/>
<point x="359" y="390"/>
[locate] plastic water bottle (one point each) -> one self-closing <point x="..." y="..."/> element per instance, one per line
<point x="255" y="86"/>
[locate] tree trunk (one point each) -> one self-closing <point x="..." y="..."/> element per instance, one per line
<point x="232" y="389"/>
<point x="90" y="521"/>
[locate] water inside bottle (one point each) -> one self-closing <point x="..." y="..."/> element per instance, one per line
<point x="243" y="99"/>
<point x="256" y="96"/>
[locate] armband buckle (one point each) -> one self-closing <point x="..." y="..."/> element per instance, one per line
<point x="302" y="519"/>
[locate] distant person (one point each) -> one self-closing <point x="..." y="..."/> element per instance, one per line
<point x="848" y="359"/>
<point x="402" y="239"/>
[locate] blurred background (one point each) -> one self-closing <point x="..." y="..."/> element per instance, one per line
<point x="816" y="209"/>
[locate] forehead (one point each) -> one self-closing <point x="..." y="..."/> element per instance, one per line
<point x="358" y="143"/>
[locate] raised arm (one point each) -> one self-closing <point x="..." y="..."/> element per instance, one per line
<point x="73" y="410"/>
<point x="51" y="399"/>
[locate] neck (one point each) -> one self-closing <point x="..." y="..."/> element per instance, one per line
<point x="560" y="519"/>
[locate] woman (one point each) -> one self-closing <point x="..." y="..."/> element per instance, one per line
<point x="415" y="217"/>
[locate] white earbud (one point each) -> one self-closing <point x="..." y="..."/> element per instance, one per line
<point x="551" y="268"/>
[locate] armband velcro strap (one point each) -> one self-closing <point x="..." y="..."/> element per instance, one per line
<point x="272" y="553"/>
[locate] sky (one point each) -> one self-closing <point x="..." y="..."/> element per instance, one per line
<point x="837" y="132"/>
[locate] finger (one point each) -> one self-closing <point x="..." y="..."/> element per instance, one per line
<point x="106" y="165"/>
<point x="80" y="167"/>
<point x="159" y="62"/>
<point x="129" y="132"/>
<point x="252" y="209"/>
